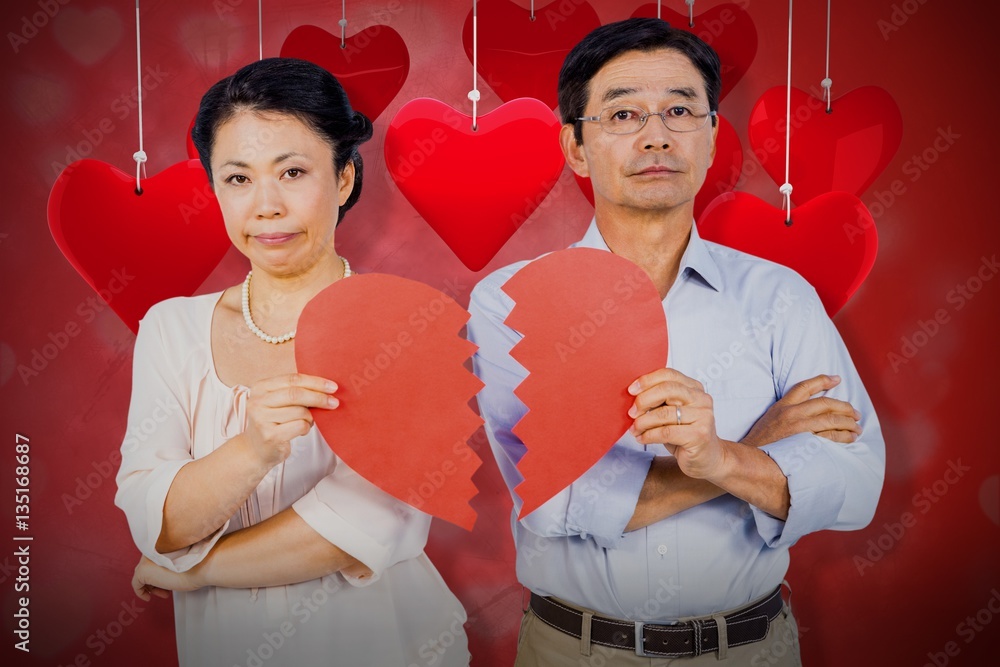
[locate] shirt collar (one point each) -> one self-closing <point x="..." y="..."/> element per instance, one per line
<point x="696" y="256"/>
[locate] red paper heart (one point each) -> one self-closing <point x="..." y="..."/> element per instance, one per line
<point x="722" y="176"/>
<point x="574" y="308"/>
<point x="474" y="188"/>
<point x="844" y="150"/>
<point x="832" y="241"/>
<point x="371" y="67"/>
<point x="392" y="346"/>
<point x="136" y="250"/>
<point x="727" y="28"/>
<point x="519" y="57"/>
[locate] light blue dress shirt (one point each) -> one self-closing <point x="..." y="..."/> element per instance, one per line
<point x="748" y="329"/>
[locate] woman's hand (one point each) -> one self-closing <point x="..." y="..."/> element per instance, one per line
<point x="278" y="410"/>
<point x="797" y="412"/>
<point x="150" y="578"/>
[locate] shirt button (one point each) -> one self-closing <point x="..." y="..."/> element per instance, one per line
<point x="662" y="549"/>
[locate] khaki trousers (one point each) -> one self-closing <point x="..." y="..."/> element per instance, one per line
<point x="541" y="645"/>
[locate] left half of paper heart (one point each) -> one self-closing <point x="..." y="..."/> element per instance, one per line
<point x="592" y="322"/>
<point x="393" y="347"/>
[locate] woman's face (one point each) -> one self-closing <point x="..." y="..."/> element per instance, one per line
<point x="276" y="184"/>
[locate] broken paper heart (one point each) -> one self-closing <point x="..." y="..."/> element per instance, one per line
<point x="393" y="347"/>
<point x="592" y="323"/>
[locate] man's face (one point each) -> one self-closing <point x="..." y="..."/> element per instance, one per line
<point x="655" y="168"/>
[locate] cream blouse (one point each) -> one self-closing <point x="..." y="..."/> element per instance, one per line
<point x="403" y="614"/>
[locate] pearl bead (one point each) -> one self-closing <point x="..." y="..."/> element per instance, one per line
<point x="248" y="318"/>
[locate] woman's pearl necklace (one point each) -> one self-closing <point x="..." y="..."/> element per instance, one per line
<point x="274" y="340"/>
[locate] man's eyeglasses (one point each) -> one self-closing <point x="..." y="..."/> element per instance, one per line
<point x="686" y="117"/>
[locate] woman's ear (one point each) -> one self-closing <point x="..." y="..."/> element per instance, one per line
<point x="345" y="182"/>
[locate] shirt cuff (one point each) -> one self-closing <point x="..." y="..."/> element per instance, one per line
<point x="603" y="500"/>
<point x="338" y="531"/>
<point x="816" y="488"/>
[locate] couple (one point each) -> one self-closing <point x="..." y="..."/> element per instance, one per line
<point x="277" y="553"/>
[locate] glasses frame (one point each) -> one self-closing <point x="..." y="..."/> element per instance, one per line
<point x="644" y="116"/>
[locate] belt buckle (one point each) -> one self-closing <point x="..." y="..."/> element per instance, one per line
<point x="639" y="649"/>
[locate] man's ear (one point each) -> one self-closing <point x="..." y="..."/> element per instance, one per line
<point x="715" y="136"/>
<point x="572" y="151"/>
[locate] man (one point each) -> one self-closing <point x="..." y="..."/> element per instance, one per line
<point x="675" y="544"/>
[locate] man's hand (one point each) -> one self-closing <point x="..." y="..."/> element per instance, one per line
<point x="673" y="409"/>
<point x="797" y="412"/>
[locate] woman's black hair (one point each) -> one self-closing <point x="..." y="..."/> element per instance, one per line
<point x="294" y="87"/>
<point x="610" y="41"/>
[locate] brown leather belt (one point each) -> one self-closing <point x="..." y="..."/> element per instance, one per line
<point x="685" y="639"/>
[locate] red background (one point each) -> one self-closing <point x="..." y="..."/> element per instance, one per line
<point x="937" y="407"/>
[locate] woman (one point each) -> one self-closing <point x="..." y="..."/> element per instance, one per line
<point x="277" y="552"/>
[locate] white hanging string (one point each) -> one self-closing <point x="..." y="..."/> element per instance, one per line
<point x="827" y="83"/>
<point x="690" y="4"/>
<point x="260" y="29"/>
<point x="786" y="188"/>
<point x="474" y="93"/>
<point x="140" y="155"/>
<point x="659" y="8"/>
<point x="532" y="10"/>
<point x="343" y="23"/>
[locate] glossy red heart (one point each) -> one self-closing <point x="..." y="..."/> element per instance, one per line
<point x="574" y="308"/>
<point x="844" y="150"/>
<point x="192" y="152"/>
<point x="474" y="187"/>
<point x="727" y="28"/>
<point x="136" y="250"/>
<point x="832" y="241"/>
<point x="722" y="176"/>
<point x="393" y="347"/>
<point x="371" y="67"/>
<point x="518" y="57"/>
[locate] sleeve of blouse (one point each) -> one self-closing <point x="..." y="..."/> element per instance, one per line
<point x="157" y="445"/>
<point x="369" y="524"/>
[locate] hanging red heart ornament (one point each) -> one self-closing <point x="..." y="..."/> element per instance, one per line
<point x="845" y="150"/>
<point x="393" y="347"/>
<point x="371" y="66"/>
<point x="192" y="152"/>
<point x="137" y="250"/>
<point x="474" y="187"/>
<point x="520" y="57"/>
<point x="722" y="176"/>
<point x="574" y="308"/>
<point x="832" y="241"/>
<point x="727" y="28"/>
